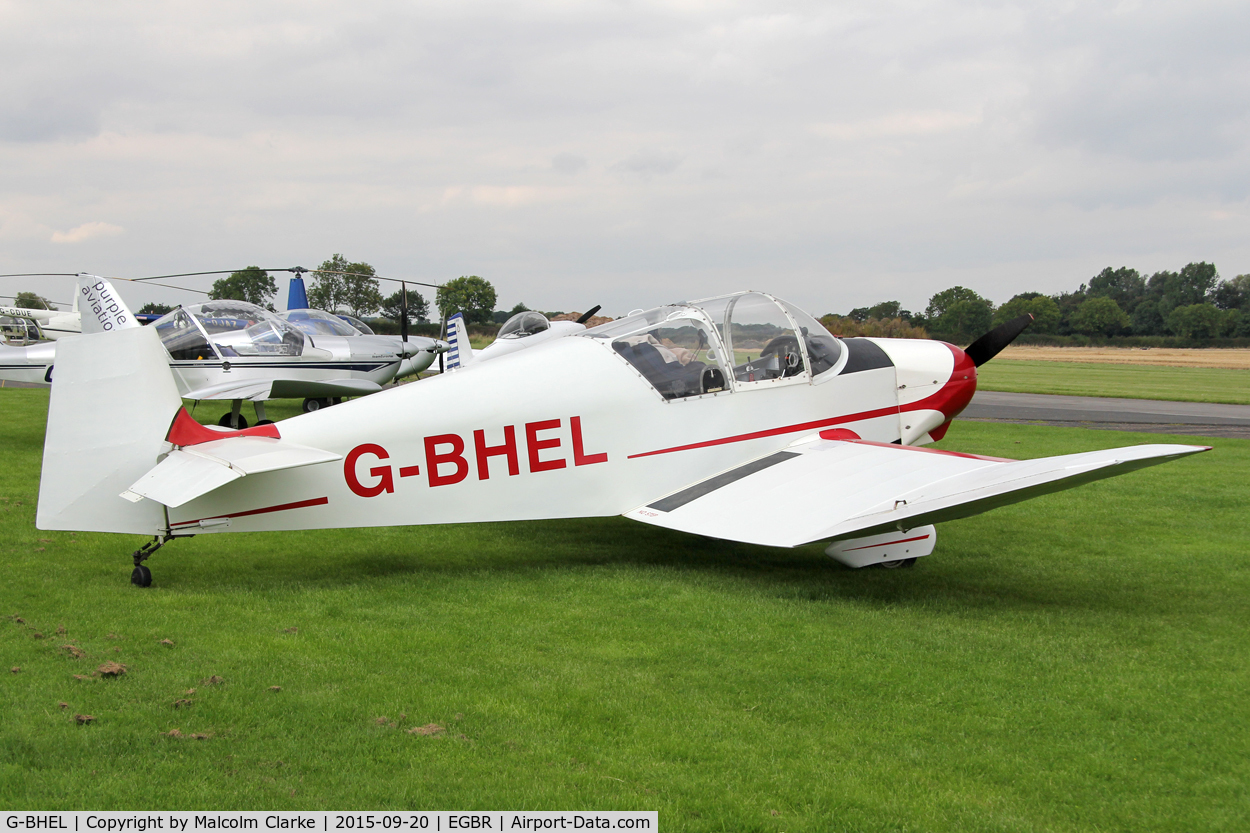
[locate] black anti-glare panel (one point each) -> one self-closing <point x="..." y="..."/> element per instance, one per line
<point x="863" y="355"/>
<point x="698" y="490"/>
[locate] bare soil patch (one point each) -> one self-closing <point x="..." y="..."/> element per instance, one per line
<point x="1230" y="359"/>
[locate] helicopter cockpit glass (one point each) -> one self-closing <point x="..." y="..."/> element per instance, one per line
<point x="183" y="338"/>
<point x="365" y="329"/>
<point x="671" y="347"/>
<point x="238" y="328"/>
<point x="524" y="324"/>
<point x="314" y="322"/>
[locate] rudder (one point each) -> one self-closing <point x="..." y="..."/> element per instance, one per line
<point x="110" y="411"/>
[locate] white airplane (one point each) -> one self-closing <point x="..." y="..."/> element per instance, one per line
<point x="232" y="350"/>
<point x="521" y="331"/>
<point x="54" y="323"/>
<point x="738" y="417"/>
<point x="319" y="323"/>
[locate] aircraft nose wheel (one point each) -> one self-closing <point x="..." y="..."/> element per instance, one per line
<point x="902" y="563"/>
<point x="142" y="576"/>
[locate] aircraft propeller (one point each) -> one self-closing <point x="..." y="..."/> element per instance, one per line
<point x="589" y="314"/>
<point x="992" y="343"/>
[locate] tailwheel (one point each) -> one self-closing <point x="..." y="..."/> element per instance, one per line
<point x="141" y="576"/>
<point x="902" y="563"/>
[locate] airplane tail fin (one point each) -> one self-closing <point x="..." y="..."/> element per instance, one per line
<point x="460" y="354"/>
<point x="110" y="411"/>
<point x="103" y="310"/>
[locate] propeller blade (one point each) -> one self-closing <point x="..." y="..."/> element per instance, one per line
<point x="992" y="343"/>
<point x="589" y="314"/>
<point x="403" y="312"/>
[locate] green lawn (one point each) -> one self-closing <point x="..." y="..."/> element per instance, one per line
<point x="1186" y="384"/>
<point x="1078" y="662"/>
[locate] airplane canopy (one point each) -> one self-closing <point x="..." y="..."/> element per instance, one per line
<point x="731" y="342"/>
<point x="315" y="322"/>
<point x="524" y="324"/>
<point x="227" y="329"/>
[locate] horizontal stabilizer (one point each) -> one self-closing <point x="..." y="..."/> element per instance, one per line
<point x="262" y="389"/>
<point x="819" y="489"/>
<point x="187" y="473"/>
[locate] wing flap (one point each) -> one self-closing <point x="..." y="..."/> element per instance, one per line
<point x="188" y="473"/>
<point x="830" y="489"/>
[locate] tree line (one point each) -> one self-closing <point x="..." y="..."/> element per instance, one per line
<point x="351" y="288"/>
<point x="1194" y="304"/>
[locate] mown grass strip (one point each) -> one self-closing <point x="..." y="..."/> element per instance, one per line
<point x="1075" y="662"/>
<point x="1197" y="384"/>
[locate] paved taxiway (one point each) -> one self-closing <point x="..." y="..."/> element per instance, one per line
<point x="1149" y="415"/>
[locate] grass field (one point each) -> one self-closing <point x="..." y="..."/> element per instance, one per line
<point x="1077" y="662"/>
<point x="1186" y="384"/>
<point x="1231" y="358"/>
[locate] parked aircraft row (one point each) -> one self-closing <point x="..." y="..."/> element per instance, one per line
<point x="737" y="417"/>
<point x="233" y="350"/>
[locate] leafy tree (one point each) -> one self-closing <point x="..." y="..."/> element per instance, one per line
<point x="847" y="327"/>
<point x="30" y="300"/>
<point x="1099" y="315"/>
<point x="418" y="307"/>
<point x="1195" y="283"/>
<point x="1044" y="310"/>
<point x="347" y="286"/>
<point x="959" y="313"/>
<point x="1192" y="285"/>
<point x="887" y="310"/>
<point x="1146" y="318"/>
<point x="152" y="308"/>
<point x="467" y="294"/>
<point x="966" y="320"/>
<point x="1068" y="303"/>
<point x="1234" y="294"/>
<point x="252" y="284"/>
<point x="943" y="300"/>
<point x="1196" y="321"/>
<point x="884" y="311"/>
<point x="1125" y="286"/>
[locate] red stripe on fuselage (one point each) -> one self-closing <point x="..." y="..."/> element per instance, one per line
<point x="888" y="543"/>
<point x="952" y="398"/>
<point x="299" y="504"/>
<point x="774" y="432"/>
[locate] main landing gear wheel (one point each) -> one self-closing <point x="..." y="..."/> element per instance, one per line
<point x="142" y="576"/>
<point x="228" y="422"/>
<point x="895" y="565"/>
<point x="311" y="405"/>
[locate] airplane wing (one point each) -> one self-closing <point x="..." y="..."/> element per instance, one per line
<point x="262" y="389"/>
<point x="818" y="489"/>
<point x="191" y="471"/>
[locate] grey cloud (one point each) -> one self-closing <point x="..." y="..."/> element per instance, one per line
<point x="854" y="145"/>
<point x="568" y="163"/>
<point x="648" y="163"/>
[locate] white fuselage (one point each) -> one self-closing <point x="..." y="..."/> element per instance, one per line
<point x="569" y="430"/>
<point x="372" y="358"/>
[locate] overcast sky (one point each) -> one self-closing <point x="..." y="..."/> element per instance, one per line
<point x="627" y="154"/>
